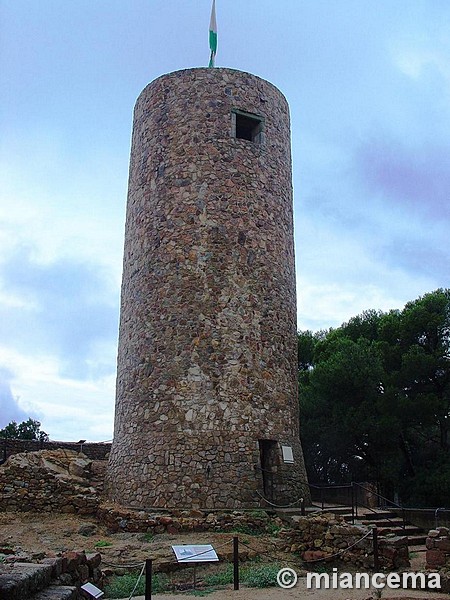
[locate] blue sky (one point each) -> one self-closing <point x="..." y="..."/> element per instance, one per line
<point x="368" y="83"/>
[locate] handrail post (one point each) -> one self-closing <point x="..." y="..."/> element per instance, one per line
<point x="353" y="504"/>
<point x="376" y="559"/>
<point x="236" y="562"/>
<point x="404" y="518"/>
<point x="148" y="579"/>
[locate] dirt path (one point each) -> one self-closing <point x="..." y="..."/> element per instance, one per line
<point x="300" y="592"/>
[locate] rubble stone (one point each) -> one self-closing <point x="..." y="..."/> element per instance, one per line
<point x="47" y="480"/>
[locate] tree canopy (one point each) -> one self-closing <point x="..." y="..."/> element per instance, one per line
<point x="375" y="400"/>
<point x="27" y="430"/>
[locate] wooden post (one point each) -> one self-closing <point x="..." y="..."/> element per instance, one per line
<point x="376" y="559"/>
<point x="236" y="562"/>
<point x="148" y="579"/>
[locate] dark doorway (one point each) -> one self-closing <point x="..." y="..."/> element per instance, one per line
<point x="268" y="458"/>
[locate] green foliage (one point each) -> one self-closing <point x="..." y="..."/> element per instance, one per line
<point x="261" y="576"/>
<point x="247" y="530"/>
<point x="103" y="544"/>
<point x="220" y="578"/>
<point x="252" y="575"/>
<point x="27" y="430"/>
<point x="160" y="583"/>
<point x="375" y="400"/>
<point x="272" y="528"/>
<point x="121" y="586"/>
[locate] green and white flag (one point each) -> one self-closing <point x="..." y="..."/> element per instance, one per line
<point x="213" y="35"/>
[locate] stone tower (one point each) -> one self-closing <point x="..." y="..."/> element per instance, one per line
<point x="206" y="407"/>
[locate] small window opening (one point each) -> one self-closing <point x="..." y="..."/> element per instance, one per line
<point x="246" y="126"/>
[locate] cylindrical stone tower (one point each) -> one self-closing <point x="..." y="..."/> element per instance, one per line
<point x="206" y="406"/>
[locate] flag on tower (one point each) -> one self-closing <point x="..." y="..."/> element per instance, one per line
<point x="213" y="35"/>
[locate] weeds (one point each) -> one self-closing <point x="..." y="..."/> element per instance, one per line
<point x="121" y="586"/>
<point x="247" y="530"/>
<point x="272" y="528"/>
<point x="261" y="577"/>
<point x="258" y="514"/>
<point x="102" y="544"/>
<point x="223" y="577"/>
<point x="252" y="575"/>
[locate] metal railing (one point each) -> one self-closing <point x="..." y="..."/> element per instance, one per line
<point x="385" y="503"/>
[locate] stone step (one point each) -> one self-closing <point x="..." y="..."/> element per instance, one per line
<point x="417" y="548"/>
<point x="20" y="580"/>
<point x="375" y="516"/>
<point x="417" y="540"/>
<point x="57" y="592"/>
<point x="394" y="527"/>
<point x="382" y="522"/>
<point x="329" y="508"/>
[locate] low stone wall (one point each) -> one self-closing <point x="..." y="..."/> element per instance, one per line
<point x="76" y="568"/>
<point x="48" y="480"/>
<point x="425" y="518"/>
<point x="117" y="518"/>
<point x="93" y="450"/>
<point x="328" y="537"/>
<point x="438" y="548"/>
<point x="438" y="554"/>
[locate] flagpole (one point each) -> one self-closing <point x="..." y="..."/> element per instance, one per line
<point x="213" y="35"/>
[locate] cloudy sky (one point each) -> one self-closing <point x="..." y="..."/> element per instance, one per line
<point x="368" y="82"/>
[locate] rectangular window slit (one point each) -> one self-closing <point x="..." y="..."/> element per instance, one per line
<point x="247" y="126"/>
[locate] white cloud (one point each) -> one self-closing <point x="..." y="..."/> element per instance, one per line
<point x="67" y="408"/>
<point x="61" y="206"/>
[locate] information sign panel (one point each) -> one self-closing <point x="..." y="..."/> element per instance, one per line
<point x="195" y="553"/>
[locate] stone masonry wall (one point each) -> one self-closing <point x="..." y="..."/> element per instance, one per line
<point x="48" y="480"/>
<point x="207" y="344"/>
<point x="93" y="450"/>
<point x="438" y="555"/>
<point x="438" y="548"/>
<point x="328" y="537"/>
